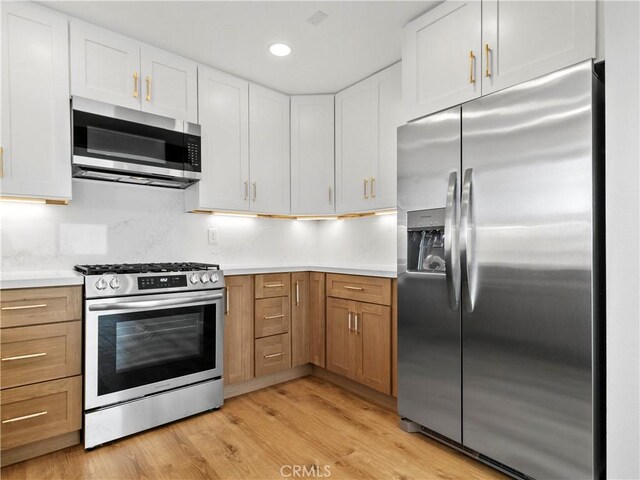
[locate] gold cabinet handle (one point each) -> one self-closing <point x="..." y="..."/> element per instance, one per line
<point x="349" y="287"/>
<point x="373" y="187"/>
<point x="330" y="196"/>
<point x="255" y="191"/>
<point x="356" y="322"/>
<point x="487" y="51"/>
<point x="297" y="293"/>
<point x="246" y="191"/>
<point x="135" y="84"/>
<point x="25" y="417"/>
<point x="22" y="357"/>
<point x="349" y="326"/>
<point x="366" y="187"/>
<point x="274" y="355"/>
<point x="1" y="162"/>
<point x="273" y="285"/>
<point x="25" y="307"/>
<point x="271" y="317"/>
<point x="148" y="88"/>
<point x="226" y="302"/>
<point x="472" y="62"/>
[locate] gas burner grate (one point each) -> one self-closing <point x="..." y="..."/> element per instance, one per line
<point x="100" y="269"/>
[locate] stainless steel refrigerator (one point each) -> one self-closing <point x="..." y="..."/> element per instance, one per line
<point x="500" y="276"/>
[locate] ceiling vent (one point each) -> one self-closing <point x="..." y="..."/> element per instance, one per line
<point x="317" y="18"/>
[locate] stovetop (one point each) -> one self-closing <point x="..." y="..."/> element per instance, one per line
<point x="124" y="268"/>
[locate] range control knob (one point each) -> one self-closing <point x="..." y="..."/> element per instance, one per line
<point x="194" y="278"/>
<point x="214" y="278"/>
<point x="101" y="284"/>
<point x="114" y="283"/>
<point x="204" y="277"/>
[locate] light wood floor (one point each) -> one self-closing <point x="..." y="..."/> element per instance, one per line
<point x="303" y="422"/>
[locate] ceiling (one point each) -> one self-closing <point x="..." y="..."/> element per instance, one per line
<point x="355" y="40"/>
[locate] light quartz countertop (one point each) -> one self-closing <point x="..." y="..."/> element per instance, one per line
<point x="369" y="272"/>
<point x="34" y="279"/>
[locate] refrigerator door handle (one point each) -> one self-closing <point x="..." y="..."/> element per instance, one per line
<point x="465" y="248"/>
<point x="451" y="259"/>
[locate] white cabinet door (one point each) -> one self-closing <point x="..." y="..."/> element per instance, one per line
<point x="355" y="144"/>
<point x="104" y="66"/>
<point x="312" y="162"/>
<point x="224" y="116"/>
<point x="524" y="40"/>
<point x="388" y="87"/>
<point x="441" y="58"/>
<point x="169" y="84"/>
<point x="36" y="132"/>
<point x="269" y="151"/>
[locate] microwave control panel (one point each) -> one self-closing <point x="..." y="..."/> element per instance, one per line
<point x="192" y="144"/>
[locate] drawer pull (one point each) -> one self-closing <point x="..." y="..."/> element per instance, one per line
<point x="298" y="293"/>
<point x="274" y="355"/>
<point x="271" y="317"/>
<point x="22" y="357"/>
<point x="25" y="417"/>
<point x="274" y="285"/>
<point x="25" y="307"/>
<point x="348" y="287"/>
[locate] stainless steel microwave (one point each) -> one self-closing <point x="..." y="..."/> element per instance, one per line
<point x="123" y="145"/>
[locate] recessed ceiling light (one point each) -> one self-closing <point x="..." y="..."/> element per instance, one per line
<point x="280" y="49"/>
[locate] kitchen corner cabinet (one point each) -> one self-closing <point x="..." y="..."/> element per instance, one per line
<point x="461" y="50"/>
<point x="366" y="118"/>
<point x="224" y="116"/>
<point x="312" y="155"/>
<point x="238" y="329"/>
<point x="300" y="333"/>
<point x="36" y="137"/>
<point x="269" y="151"/>
<point x="118" y="70"/>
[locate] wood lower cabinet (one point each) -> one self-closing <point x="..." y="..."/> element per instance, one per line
<point x="300" y="331"/>
<point x="238" y="329"/>
<point x="271" y="316"/>
<point x="273" y="354"/>
<point x="41" y="383"/>
<point x="317" y="319"/>
<point x="359" y="342"/>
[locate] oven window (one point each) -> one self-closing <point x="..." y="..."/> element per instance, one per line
<point x="136" y="349"/>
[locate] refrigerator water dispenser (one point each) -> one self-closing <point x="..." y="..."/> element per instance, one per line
<point x="425" y="240"/>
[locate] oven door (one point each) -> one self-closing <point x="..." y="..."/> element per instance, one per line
<point x="136" y="346"/>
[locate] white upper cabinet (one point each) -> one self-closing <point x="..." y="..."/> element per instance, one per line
<point x="388" y="86"/>
<point x="269" y="151"/>
<point x="170" y="84"/>
<point x="524" y="40"/>
<point x="441" y="58"/>
<point x="105" y="66"/>
<point x="224" y="116"/>
<point x="115" y="69"/>
<point x="312" y="160"/>
<point x="355" y="138"/>
<point x="36" y="136"/>
<point x="460" y="50"/>
<point x="367" y="117"/>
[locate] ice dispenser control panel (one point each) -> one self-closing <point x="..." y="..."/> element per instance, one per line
<point x="425" y="240"/>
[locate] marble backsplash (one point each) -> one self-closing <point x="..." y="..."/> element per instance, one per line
<point x="109" y="223"/>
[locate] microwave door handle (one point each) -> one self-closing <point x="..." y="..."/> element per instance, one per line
<point x="452" y="264"/>
<point x="137" y="305"/>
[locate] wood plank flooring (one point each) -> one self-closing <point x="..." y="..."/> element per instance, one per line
<point x="306" y="422"/>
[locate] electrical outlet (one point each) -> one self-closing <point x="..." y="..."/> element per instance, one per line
<point x="213" y="236"/>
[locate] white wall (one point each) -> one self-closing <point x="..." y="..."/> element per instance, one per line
<point x="622" y="54"/>
<point x="109" y="223"/>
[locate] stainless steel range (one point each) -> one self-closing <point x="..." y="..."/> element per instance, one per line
<point x="153" y="345"/>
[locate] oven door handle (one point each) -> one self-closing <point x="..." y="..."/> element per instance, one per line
<point x="136" y="305"/>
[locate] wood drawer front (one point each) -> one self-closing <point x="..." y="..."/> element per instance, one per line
<point x="273" y="285"/>
<point x="40" y="353"/>
<point x="34" y="306"/>
<point x="40" y="411"/>
<point x="273" y="354"/>
<point x="361" y="289"/>
<point x="271" y="316"/>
